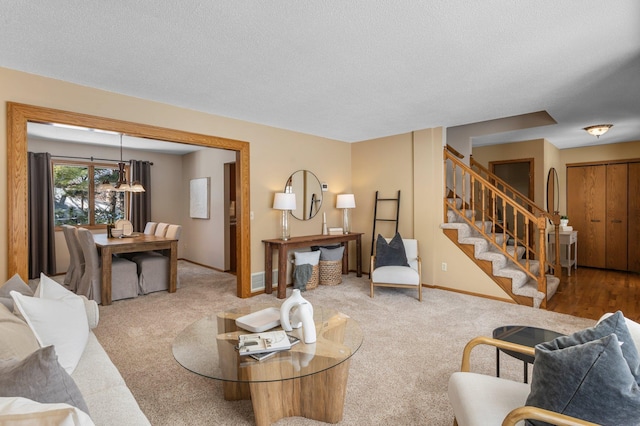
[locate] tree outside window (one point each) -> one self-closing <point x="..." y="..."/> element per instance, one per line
<point x="76" y="201"/>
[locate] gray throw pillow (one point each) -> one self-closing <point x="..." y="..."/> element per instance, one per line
<point x="15" y="283"/>
<point x="391" y="253"/>
<point x="589" y="375"/>
<point x="41" y="378"/>
<point x="331" y="253"/>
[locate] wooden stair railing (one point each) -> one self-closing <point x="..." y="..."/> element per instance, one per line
<point x="481" y="194"/>
<point x="527" y="203"/>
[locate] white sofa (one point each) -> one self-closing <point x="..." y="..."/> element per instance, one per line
<point x="107" y="397"/>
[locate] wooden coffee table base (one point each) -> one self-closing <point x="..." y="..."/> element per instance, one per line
<point x="318" y="396"/>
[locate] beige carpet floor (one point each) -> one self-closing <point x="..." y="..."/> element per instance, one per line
<point x="398" y="377"/>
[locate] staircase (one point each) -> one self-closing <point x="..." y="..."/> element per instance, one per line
<point x="501" y="230"/>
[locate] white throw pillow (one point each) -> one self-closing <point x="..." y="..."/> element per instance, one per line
<point x="307" y="257"/>
<point x="60" y="321"/>
<point x="22" y="411"/>
<point x="50" y="289"/>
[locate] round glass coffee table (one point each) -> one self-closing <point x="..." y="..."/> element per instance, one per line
<point x="308" y="380"/>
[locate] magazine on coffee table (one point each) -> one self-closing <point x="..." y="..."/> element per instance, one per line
<point x="271" y="341"/>
<point x="266" y="355"/>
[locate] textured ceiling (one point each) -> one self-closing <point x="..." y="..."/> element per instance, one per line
<point x="350" y="70"/>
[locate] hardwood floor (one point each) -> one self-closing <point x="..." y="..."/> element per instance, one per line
<point x="591" y="292"/>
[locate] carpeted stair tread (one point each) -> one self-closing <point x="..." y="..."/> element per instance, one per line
<point x="502" y="266"/>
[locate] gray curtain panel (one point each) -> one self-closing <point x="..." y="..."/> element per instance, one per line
<point x="42" y="252"/>
<point x="141" y="202"/>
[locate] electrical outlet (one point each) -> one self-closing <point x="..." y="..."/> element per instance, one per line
<point x="250" y="215"/>
<point x="444" y="266"/>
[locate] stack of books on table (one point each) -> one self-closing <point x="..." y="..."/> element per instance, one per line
<point x="336" y="231"/>
<point x="263" y="345"/>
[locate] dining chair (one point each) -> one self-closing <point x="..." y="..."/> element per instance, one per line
<point x="76" y="258"/>
<point x="150" y="228"/>
<point x="161" y="229"/>
<point x="153" y="267"/>
<point x="124" y="276"/>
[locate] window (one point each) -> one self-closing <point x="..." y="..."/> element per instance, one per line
<point x="76" y="200"/>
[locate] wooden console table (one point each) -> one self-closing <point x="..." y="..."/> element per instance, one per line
<point x="283" y="246"/>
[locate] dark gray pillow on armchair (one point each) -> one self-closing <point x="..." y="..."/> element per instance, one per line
<point x="591" y="375"/>
<point x="391" y="253"/>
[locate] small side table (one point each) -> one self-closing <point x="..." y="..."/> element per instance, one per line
<point x="522" y="335"/>
<point x="568" y="253"/>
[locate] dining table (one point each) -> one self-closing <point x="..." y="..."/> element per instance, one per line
<point x="136" y="242"/>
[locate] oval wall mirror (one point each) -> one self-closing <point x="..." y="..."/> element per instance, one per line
<point x="308" y="192"/>
<point x="553" y="191"/>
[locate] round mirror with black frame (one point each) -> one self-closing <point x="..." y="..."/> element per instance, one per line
<point x="308" y="192"/>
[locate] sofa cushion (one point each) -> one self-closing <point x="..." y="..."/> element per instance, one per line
<point x="16" y="338"/>
<point x="17" y="411"/>
<point x="591" y="374"/>
<point x="110" y="401"/>
<point x="390" y="253"/>
<point x="58" y="322"/>
<point x="40" y="378"/>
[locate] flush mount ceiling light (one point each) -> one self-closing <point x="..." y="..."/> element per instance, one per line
<point x="598" y="130"/>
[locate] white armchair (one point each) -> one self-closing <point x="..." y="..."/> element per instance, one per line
<point x="399" y="276"/>
<point x="479" y="399"/>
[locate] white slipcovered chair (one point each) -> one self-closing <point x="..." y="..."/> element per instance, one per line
<point x="161" y="229"/>
<point x="482" y="400"/>
<point x="153" y="267"/>
<point x="124" y="276"/>
<point x="150" y="228"/>
<point x="399" y="276"/>
<point x="76" y="258"/>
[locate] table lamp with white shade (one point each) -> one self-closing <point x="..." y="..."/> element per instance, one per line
<point x="286" y="202"/>
<point x="346" y="202"/>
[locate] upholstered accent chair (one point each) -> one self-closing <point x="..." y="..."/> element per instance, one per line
<point x="124" y="273"/>
<point x="407" y="276"/>
<point x="480" y="399"/>
<point x="76" y="258"/>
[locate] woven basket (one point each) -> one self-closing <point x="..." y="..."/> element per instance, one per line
<point x="313" y="280"/>
<point x="330" y="272"/>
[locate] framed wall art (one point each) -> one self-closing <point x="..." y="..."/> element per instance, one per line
<point x="199" y="198"/>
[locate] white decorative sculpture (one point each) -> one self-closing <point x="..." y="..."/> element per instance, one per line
<point x="302" y="316"/>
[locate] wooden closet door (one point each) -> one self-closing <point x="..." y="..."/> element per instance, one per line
<point x="617" y="211"/>
<point x="633" y="236"/>
<point x="586" y="198"/>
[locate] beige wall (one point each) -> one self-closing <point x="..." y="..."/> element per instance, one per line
<point x="413" y="163"/>
<point x="275" y="153"/>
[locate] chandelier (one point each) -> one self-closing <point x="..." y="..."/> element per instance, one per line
<point x="122" y="185"/>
